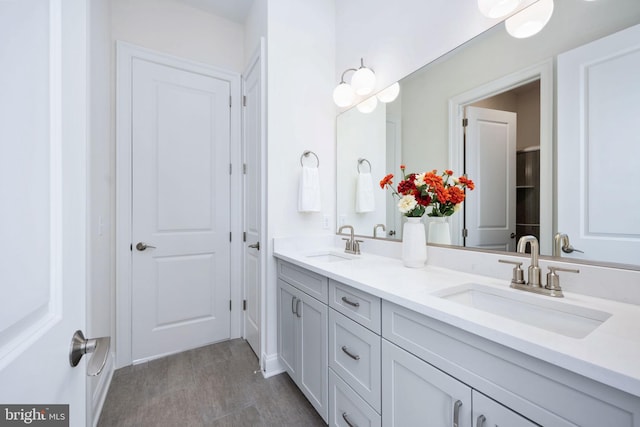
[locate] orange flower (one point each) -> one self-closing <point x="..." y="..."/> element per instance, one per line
<point x="448" y="172"/>
<point x="456" y="195"/>
<point x="387" y="180"/>
<point x="466" y="182"/>
<point x="403" y="167"/>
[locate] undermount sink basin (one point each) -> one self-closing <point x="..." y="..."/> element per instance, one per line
<point x="533" y="310"/>
<point x="331" y="256"/>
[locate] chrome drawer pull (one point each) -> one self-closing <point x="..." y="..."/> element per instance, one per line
<point x="298" y="307"/>
<point x="348" y="353"/>
<point x="480" y="421"/>
<point x="355" y="304"/>
<point x="345" y="417"/>
<point x="456" y="412"/>
<point x="293" y="306"/>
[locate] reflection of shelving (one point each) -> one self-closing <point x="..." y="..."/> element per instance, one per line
<point x="528" y="193"/>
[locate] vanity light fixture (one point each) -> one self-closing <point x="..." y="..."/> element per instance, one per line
<point x="368" y="105"/>
<point x="497" y="8"/>
<point x="531" y="20"/>
<point x="389" y="94"/>
<point x="362" y="83"/>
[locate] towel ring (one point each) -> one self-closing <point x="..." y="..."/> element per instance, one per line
<point x="361" y="161"/>
<point x="306" y="154"/>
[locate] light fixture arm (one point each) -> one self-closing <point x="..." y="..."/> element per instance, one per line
<point x="362" y="65"/>
<point x="345" y="72"/>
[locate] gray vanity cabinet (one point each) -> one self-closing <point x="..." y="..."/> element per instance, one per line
<point x="416" y="393"/>
<point x="303" y="335"/>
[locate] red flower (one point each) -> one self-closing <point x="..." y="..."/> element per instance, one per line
<point x="448" y="172"/>
<point x="387" y="180"/>
<point x="408" y="186"/>
<point x="403" y="167"/>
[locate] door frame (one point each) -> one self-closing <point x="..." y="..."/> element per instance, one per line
<point x="259" y="60"/>
<point x="125" y="53"/>
<point x="542" y="71"/>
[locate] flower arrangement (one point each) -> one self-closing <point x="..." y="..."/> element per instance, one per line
<point x="417" y="191"/>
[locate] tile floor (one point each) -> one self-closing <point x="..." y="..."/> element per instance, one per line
<point x="209" y="386"/>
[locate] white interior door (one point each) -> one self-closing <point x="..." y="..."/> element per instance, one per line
<point x="490" y="161"/>
<point x="252" y="206"/>
<point x="43" y="112"/>
<point x="393" y="161"/>
<point x="180" y="139"/>
<point x="599" y="148"/>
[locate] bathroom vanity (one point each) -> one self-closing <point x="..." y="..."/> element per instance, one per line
<point x="372" y="343"/>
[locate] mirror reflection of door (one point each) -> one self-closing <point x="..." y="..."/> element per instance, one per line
<point x="502" y="151"/>
<point x="393" y="160"/>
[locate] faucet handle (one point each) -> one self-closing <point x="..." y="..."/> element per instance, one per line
<point x="356" y="246"/>
<point x="518" y="274"/>
<point x="347" y="244"/>
<point x="553" y="280"/>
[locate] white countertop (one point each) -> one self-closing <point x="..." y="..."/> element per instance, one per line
<point x="610" y="354"/>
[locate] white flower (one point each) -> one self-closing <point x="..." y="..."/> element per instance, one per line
<point x="419" y="179"/>
<point x="407" y="203"/>
<point x="457" y="207"/>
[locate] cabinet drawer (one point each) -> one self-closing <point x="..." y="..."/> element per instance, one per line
<point x="307" y="281"/>
<point x="357" y="305"/>
<point x="354" y="354"/>
<point x="346" y="408"/>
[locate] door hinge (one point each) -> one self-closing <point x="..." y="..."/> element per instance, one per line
<point x="230" y="234"/>
<point x="244" y="236"/>
<point x="131" y="247"/>
<point x="244" y="305"/>
<point x="229" y="101"/>
<point x="229" y="305"/>
<point x="244" y="100"/>
<point x="465" y="232"/>
<point x="244" y="168"/>
<point x="465" y="122"/>
<point x="230" y="168"/>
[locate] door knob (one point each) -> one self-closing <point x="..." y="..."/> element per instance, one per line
<point x="81" y="346"/>
<point x="512" y="235"/>
<point x="256" y="245"/>
<point x="141" y="246"/>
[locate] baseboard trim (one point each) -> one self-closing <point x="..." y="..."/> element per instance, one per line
<point x="271" y="365"/>
<point x="100" y="393"/>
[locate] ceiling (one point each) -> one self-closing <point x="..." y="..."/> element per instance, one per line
<point x="233" y="10"/>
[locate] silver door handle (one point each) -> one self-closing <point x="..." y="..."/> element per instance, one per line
<point x="256" y="245"/>
<point x="346" y="419"/>
<point x="141" y="246"/>
<point x="351" y="303"/>
<point x="480" y="421"/>
<point x="298" y="308"/>
<point x="81" y="346"/>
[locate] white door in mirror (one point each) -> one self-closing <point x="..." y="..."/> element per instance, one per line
<point x="598" y="148"/>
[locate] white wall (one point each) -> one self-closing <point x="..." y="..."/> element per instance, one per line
<point x="172" y="27"/>
<point x="255" y="27"/>
<point x="301" y="116"/>
<point x="100" y="290"/>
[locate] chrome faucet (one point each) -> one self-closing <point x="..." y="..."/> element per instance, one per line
<point x="533" y="272"/>
<point x="375" y="229"/>
<point x="552" y="287"/>
<point x="352" y="246"/>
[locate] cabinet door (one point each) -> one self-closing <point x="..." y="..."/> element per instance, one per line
<point x="313" y="346"/>
<point x="489" y="413"/>
<point x="287" y="328"/>
<point x="415" y="393"/>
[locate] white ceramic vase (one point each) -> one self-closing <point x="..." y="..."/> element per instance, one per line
<point x="414" y="245"/>
<point x="439" y="231"/>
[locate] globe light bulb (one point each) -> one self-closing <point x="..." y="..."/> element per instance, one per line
<point x="343" y="95"/>
<point x="389" y="94"/>
<point x="368" y="105"/>
<point x="531" y="20"/>
<point x="363" y="81"/>
<point x="497" y="8"/>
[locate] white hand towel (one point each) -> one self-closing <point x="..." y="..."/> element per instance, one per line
<point x="309" y="194"/>
<point x="365" y="201"/>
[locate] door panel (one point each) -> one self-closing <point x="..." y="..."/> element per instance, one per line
<point x="287" y="328"/>
<point x="490" y="210"/>
<point x="43" y="155"/>
<point x="180" y="286"/>
<point x="597" y="142"/>
<point x="489" y="413"/>
<point x="252" y="149"/>
<point x="313" y="361"/>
